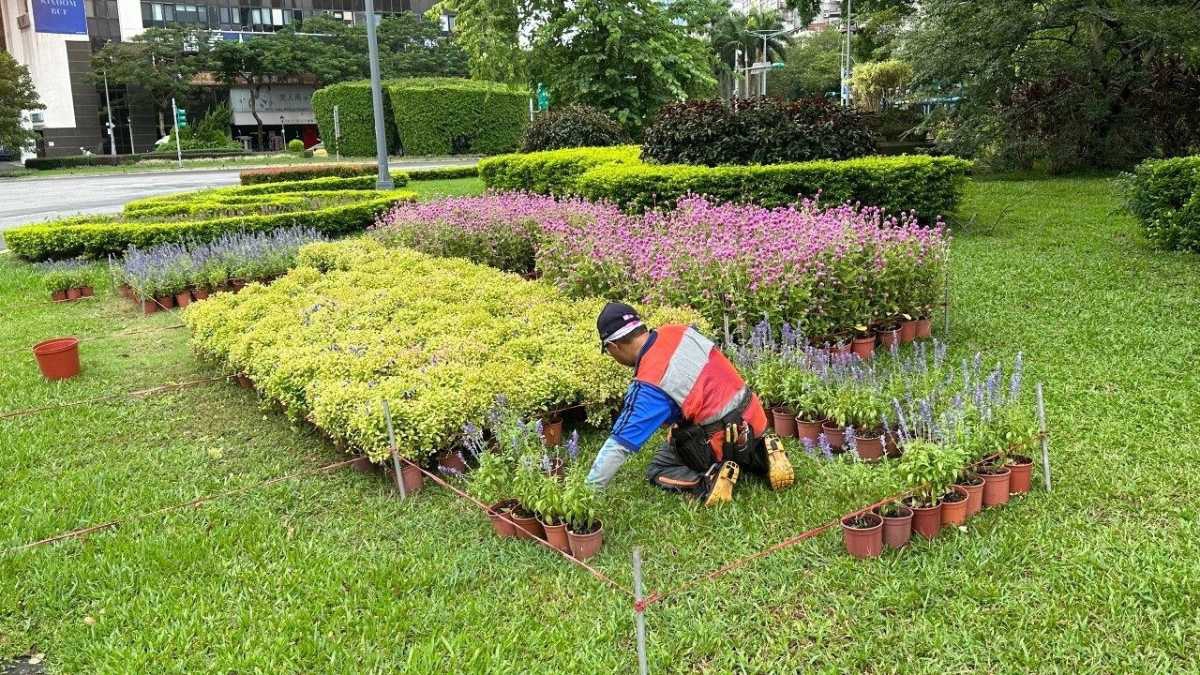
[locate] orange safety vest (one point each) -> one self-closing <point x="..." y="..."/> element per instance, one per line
<point x="690" y="369"/>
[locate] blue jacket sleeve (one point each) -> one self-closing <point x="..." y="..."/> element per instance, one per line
<point x="646" y="409"/>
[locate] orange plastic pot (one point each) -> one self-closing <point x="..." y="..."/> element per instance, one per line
<point x="149" y="306"/>
<point x="500" y="514"/>
<point x="927" y="520"/>
<point x="869" y="448"/>
<point x="86" y="292"/>
<point x="836" y="435"/>
<point x="58" y="296"/>
<point x="412" y="478"/>
<point x="74" y="294"/>
<point x="995" y="486"/>
<point x="183" y="299"/>
<point x="200" y="293"/>
<point x="955" y="513"/>
<point x="810" y="429"/>
<point x="166" y="301"/>
<point x="890" y="337"/>
<point x="908" y="331"/>
<point x="528" y="527"/>
<point x="556" y="536"/>
<point x="864" y="347"/>
<point x="587" y="544"/>
<point x="924" y="328"/>
<point x="1022" y="474"/>
<point x="552" y="432"/>
<point x="974" y="496"/>
<point x="58" y="358"/>
<point x="897" y="530"/>
<point x="784" y="422"/>
<point x="865" y="538"/>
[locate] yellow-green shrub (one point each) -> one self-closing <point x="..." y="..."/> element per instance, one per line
<point x="357" y="323"/>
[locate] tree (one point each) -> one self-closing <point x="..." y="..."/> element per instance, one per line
<point x="490" y="31"/>
<point x="811" y="68"/>
<point x="409" y="45"/>
<point x="17" y="95"/>
<point x="1070" y="83"/>
<point x="874" y="81"/>
<point x="158" y="65"/>
<point x="626" y="57"/>
<point x="259" y="63"/>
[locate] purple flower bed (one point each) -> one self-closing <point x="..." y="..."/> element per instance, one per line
<point x="500" y="230"/>
<point x="824" y="271"/>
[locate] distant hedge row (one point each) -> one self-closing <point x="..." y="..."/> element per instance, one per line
<point x="1164" y="195"/>
<point x="930" y="186"/>
<point x="425" y="116"/>
<point x="44" y="163"/>
<point x="280" y="174"/>
<point x="332" y="206"/>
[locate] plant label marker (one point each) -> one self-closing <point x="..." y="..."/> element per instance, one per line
<point x="387" y="416"/>
<point x="1045" y="437"/>
<point x="639" y="612"/>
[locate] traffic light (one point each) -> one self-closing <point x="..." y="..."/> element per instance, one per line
<point x="180" y="118"/>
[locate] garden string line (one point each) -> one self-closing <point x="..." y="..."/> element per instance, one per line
<point x="137" y="393"/>
<point x="198" y="502"/>
<point x="658" y="596"/>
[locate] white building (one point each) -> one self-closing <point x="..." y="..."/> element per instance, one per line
<point x="55" y="40"/>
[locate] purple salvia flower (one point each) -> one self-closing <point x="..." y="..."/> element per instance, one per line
<point x="573" y="445"/>
<point x="826" y="448"/>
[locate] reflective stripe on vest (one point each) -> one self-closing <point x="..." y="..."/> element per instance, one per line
<point x="689" y="368"/>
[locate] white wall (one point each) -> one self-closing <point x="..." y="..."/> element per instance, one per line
<point x="131" y="17"/>
<point x="45" y="54"/>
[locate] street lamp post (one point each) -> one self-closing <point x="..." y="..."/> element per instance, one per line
<point x="384" y="181"/>
<point x="763" y="66"/>
<point x="112" y="141"/>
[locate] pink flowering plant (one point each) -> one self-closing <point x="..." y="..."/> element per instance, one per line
<point x="500" y="230"/>
<point x="825" y="271"/>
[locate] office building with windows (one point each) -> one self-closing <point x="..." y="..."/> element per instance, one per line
<point x="55" y="39"/>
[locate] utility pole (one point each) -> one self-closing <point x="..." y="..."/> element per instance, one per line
<point x="384" y="181"/>
<point x="132" y="149"/>
<point x="112" y="141"/>
<point x="847" y="59"/>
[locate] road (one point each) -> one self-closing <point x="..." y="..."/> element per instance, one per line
<point x="29" y="200"/>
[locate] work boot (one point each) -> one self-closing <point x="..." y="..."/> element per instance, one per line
<point x="779" y="467"/>
<point x="720" y="490"/>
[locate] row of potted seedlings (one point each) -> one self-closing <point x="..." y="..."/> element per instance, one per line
<point x="175" y="275"/>
<point x="69" y="279"/>
<point x="942" y="498"/>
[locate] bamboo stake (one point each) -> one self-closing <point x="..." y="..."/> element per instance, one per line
<point x="387" y="416"/>
<point x="639" y="611"/>
<point x="1045" y="437"/>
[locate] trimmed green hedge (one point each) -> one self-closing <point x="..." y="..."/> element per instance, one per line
<point x="425" y="116"/>
<point x="1164" y="195"/>
<point x="356" y="118"/>
<point x="294" y="173"/>
<point x="261" y="210"/>
<point x="552" y="172"/>
<point x="448" y="116"/>
<point x="930" y="186"/>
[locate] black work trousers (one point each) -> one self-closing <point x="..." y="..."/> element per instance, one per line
<point x="670" y="471"/>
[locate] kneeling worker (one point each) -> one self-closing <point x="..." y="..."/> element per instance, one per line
<point x="680" y="378"/>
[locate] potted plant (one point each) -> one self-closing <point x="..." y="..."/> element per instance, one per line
<point x="897" y="524"/>
<point x="585" y="532"/>
<point x="862" y="535"/>
<point x="889" y="334"/>
<point x="547" y="505"/>
<point x="526" y="487"/>
<point x="552" y="428"/>
<point x="908" y="329"/>
<point x="491" y="483"/>
<point x="954" y="506"/>
<point x="803" y="391"/>
<point x="864" y="342"/>
<point x="929" y="469"/>
<point x="973" y="485"/>
<point x="57" y="281"/>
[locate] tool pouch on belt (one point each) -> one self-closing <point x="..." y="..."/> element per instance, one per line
<point x="692" y="442"/>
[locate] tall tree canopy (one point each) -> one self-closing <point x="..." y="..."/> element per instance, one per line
<point x="17" y="95"/>
<point x="1070" y="83"/>
<point x="160" y="64"/>
<point x="626" y="57"/>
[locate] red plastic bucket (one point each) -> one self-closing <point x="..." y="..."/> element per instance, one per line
<point x="58" y="357"/>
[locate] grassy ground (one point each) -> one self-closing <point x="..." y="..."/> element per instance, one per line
<point x="160" y="165"/>
<point x="331" y="573"/>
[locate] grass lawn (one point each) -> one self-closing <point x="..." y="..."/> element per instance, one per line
<point x="331" y="573"/>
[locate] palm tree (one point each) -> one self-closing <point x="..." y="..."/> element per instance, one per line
<point x="733" y="32"/>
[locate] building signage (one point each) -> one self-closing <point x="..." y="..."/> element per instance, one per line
<point x="281" y="103"/>
<point x="66" y="17"/>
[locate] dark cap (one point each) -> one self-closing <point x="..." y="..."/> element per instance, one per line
<point x="616" y="321"/>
